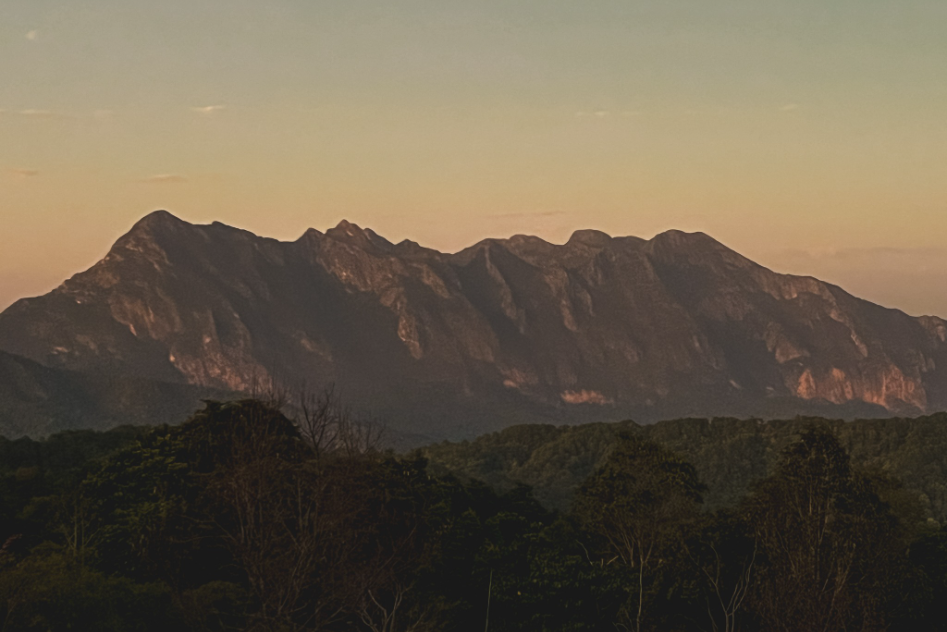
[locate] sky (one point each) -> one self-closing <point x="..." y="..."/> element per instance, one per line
<point x="810" y="136"/>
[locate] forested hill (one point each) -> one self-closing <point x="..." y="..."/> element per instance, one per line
<point x="729" y="454"/>
<point x="37" y="400"/>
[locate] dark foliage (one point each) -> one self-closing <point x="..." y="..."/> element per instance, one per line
<point x="244" y="519"/>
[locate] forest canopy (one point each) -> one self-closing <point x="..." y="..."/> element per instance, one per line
<point x="247" y="518"/>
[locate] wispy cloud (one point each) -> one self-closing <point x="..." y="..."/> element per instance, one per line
<point x="165" y="178"/>
<point x="23" y="173"/>
<point x="32" y="35"/>
<point x="42" y="114"/>
<point x="528" y="215"/>
<point x="54" y="115"/>
<point x="860" y="254"/>
<point x="789" y="107"/>
<point x="209" y="110"/>
<point x="599" y="114"/>
<point x="604" y="114"/>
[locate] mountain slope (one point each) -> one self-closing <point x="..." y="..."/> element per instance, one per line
<point x="507" y="331"/>
<point x="38" y="401"/>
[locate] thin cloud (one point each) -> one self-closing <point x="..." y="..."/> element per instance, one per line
<point x="41" y="114"/>
<point x="32" y="35"/>
<point x="165" y="178"/>
<point x="850" y="254"/>
<point x="789" y="107"/>
<point x="529" y="215"/>
<point x="209" y="110"/>
<point x="23" y="173"/>
<point x="599" y="114"/>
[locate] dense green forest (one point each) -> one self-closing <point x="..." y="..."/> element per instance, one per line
<point x="729" y="454"/>
<point x="244" y="519"/>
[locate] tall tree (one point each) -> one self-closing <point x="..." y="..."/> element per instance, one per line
<point x="639" y="504"/>
<point x="826" y="540"/>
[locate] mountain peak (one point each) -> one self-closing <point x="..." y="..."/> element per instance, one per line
<point x="695" y="247"/>
<point x="159" y="218"/>
<point x="150" y="230"/>
<point x="346" y="230"/>
<point x="346" y="225"/>
<point x="590" y="237"/>
<point x="353" y="234"/>
<point x="152" y="225"/>
<point x="680" y="239"/>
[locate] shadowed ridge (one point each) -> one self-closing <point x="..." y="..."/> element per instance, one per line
<point x="484" y="246"/>
<point x="310" y="235"/>
<point x="530" y="247"/>
<point x="694" y="248"/>
<point x="413" y="250"/>
<point x="529" y="240"/>
<point x="589" y="237"/>
<point x="146" y="232"/>
<point x="678" y="239"/>
<point x="162" y="224"/>
<point x="310" y="241"/>
<point x="365" y="238"/>
<point x="158" y="219"/>
<point x="534" y="250"/>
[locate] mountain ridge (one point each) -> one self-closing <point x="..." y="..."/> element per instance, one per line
<point x="599" y="327"/>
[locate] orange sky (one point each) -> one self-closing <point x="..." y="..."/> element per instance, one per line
<point x="809" y="136"/>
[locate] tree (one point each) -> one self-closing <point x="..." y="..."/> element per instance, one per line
<point x="50" y="589"/>
<point x="825" y="538"/>
<point x="639" y="504"/>
<point x="724" y="553"/>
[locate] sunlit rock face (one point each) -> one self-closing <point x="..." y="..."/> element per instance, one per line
<point x="505" y="331"/>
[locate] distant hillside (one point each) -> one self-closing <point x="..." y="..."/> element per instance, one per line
<point x="508" y="331"/>
<point x="729" y="454"/>
<point x="37" y="401"/>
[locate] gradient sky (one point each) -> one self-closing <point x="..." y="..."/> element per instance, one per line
<point x="809" y="135"/>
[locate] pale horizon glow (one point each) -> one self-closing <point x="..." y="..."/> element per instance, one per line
<point x="808" y="136"/>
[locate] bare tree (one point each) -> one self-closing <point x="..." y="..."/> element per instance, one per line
<point x="280" y="519"/>
<point x="307" y="513"/>
<point x="385" y="614"/>
<point x="330" y="428"/>
<point x="727" y="563"/>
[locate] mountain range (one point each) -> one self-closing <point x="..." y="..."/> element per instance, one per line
<point x="449" y="345"/>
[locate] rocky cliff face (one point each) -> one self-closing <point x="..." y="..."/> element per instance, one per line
<point x="505" y="331"/>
